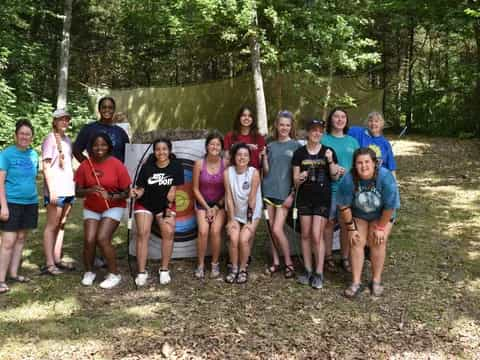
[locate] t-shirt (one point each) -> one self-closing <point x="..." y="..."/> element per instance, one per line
<point x="157" y="182"/>
<point x="379" y="144"/>
<point x="112" y="175"/>
<point x="371" y="197"/>
<point x="118" y="136"/>
<point x="278" y="182"/>
<point x="21" y="168"/>
<point x="344" y="147"/>
<point x="61" y="178"/>
<point x="317" y="185"/>
<point x="258" y="140"/>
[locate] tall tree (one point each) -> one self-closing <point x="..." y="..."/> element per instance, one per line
<point x="64" y="57"/>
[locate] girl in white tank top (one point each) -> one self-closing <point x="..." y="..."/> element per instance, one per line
<point x="244" y="208"/>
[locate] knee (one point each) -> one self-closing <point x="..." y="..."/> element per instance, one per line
<point x="203" y="233"/>
<point x="103" y="240"/>
<point x="168" y="233"/>
<point x="277" y="231"/>
<point x="317" y="240"/>
<point x="20" y="239"/>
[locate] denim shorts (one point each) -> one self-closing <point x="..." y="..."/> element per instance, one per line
<point x="114" y="213"/>
<point x="61" y="200"/>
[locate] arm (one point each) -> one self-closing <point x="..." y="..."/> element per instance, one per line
<point x="265" y="165"/>
<point x="80" y="145"/>
<point x="333" y="168"/>
<point x="347" y="218"/>
<point x="379" y="230"/>
<point x="298" y="177"/>
<point x="252" y="197"/>
<point x="230" y="206"/>
<point x="4" y="213"/>
<point x="47" y="173"/>
<point x="196" y="185"/>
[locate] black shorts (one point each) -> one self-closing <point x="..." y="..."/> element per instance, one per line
<point x="314" y="206"/>
<point x="21" y="217"/>
<point x="277" y="203"/>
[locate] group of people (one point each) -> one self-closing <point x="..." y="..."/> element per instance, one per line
<point x="341" y="175"/>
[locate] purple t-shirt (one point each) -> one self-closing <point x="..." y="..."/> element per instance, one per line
<point x="62" y="178"/>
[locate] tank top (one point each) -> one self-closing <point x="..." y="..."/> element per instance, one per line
<point x="211" y="185"/>
<point x="240" y="186"/>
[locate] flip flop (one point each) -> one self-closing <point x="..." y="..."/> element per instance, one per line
<point x="4" y="288"/>
<point x="19" y="279"/>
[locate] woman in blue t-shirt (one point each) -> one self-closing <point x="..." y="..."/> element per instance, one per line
<point x="18" y="201"/>
<point x="372" y="137"/>
<point x="367" y="198"/>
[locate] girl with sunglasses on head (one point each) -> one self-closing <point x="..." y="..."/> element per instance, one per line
<point x="155" y="192"/>
<point x="277" y="185"/>
<point x="367" y="198"/>
<point x="314" y="166"/>
<point x="209" y="192"/>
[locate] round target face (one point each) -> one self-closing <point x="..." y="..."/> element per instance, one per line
<point x="186" y="222"/>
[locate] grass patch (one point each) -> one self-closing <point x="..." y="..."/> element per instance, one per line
<point x="431" y="307"/>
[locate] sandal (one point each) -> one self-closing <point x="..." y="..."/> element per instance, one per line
<point x="19" y="279"/>
<point x="242" y="277"/>
<point x="199" y="273"/>
<point x="231" y="277"/>
<point x="376" y="288"/>
<point x="330" y="264"/>
<point x="352" y="291"/>
<point x="4" y="288"/>
<point x="289" y="271"/>
<point x="63" y="265"/>
<point x="346" y="265"/>
<point x="272" y="269"/>
<point x="51" y="270"/>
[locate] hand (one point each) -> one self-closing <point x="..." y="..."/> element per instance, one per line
<point x="329" y="155"/>
<point x="353" y="237"/>
<point x="211" y="213"/>
<point x="4" y="213"/>
<point x="136" y="193"/>
<point x="52" y="198"/>
<point x="170" y="213"/>
<point x="253" y="147"/>
<point x="341" y="171"/>
<point x="378" y="236"/>
<point x="303" y="176"/>
<point x="288" y="202"/>
<point x="264" y="153"/>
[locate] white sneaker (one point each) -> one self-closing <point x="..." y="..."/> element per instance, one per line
<point x="141" y="279"/>
<point x="88" y="278"/>
<point x="111" y="281"/>
<point x="164" y="277"/>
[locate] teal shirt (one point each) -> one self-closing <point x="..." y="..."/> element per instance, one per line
<point x="344" y="148"/>
<point x="21" y="168"/>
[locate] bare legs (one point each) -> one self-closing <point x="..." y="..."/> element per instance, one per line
<point x="53" y="233"/>
<point x="99" y="232"/>
<point x="214" y="230"/>
<point x="278" y="216"/>
<point x="11" y="253"/>
<point x="312" y="238"/>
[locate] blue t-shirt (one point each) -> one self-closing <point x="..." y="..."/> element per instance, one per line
<point x="21" y="168"/>
<point x="371" y="197"/>
<point x="118" y="136"/>
<point x="379" y="144"/>
<point x="344" y="147"/>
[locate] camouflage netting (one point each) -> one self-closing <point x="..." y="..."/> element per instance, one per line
<point x="214" y="105"/>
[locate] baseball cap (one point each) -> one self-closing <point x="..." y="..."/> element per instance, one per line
<point x="314" y="122"/>
<point x="60" y="113"/>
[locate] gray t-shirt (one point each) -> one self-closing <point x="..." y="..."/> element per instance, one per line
<point x="278" y="182"/>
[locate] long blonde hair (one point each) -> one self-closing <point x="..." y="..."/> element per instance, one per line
<point x="58" y="140"/>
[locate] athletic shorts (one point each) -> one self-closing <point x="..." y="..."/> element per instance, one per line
<point x="139" y="208"/>
<point x="209" y="203"/>
<point x="21" y="217"/>
<point x="61" y="200"/>
<point x="114" y="213"/>
<point x="277" y="203"/>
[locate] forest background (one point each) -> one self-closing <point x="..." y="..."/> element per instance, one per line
<point x="424" y="54"/>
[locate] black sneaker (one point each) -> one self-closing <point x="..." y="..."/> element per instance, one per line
<point x="317" y="281"/>
<point x="305" y="278"/>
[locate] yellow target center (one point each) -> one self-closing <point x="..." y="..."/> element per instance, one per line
<point x="182" y="200"/>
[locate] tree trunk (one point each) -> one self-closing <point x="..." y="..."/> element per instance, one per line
<point x="408" y="113"/>
<point x="328" y="95"/>
<point x="64" y="57"/>
<point x="258" y="79"/>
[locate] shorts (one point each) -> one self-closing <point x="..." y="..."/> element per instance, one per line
<point x="209" y="203"/>
<point x="333" y="214"/>
<point x="114" y="213"/>
<point x="61" y="200"/>
<point x="314" y="206"/>
<point x="277" y="203"/>
<point x="139" y="208"/>
<point x="21" y="217"/>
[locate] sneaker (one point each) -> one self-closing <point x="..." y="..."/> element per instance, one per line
<point x="111" y="281"/>
<point x="304" y="278"/>
<point x="199" y="273"/>
<point x="141" y="278"/>
<point x="164" y="277"/>
<point x="317" y="281"/>
<point x="88" y="278"/>
<point x="215" y="273"/>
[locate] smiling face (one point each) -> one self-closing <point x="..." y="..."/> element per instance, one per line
<point x="162" y="152"/>
<point x="284" y="127"/>
<point x="375" y="125"/>
<point x="214" y="147"/>
<point x="315" y="134"/>
<point x="365" y="166"/>
<point x="339" y="120"/>
<point x="107" y="109"/>
<point x="242" y="158"/>
<point x="23" y="137"/>
<point x="246" y="119"/>
<point x="100" y="148"/>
